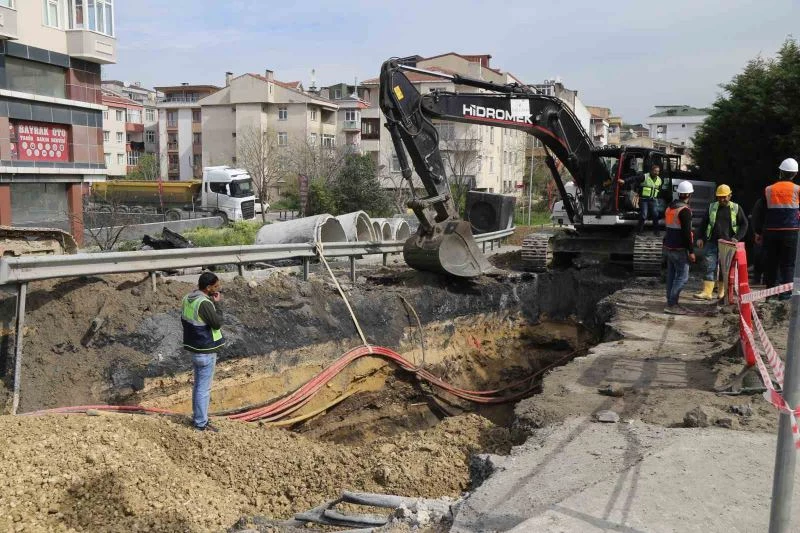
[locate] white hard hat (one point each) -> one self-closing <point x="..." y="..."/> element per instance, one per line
<point x="685" y="187"/>
<point x="789" y="165"/>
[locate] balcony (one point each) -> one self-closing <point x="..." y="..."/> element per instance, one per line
<point x="172" y="147"/>
<point x="172" y="124"/>
<point x="92" y="46"/>
<point x="179" y="99"/>
<point x="8" y="23"/>
<point x="132" y="127"/>
<point x="351" y="125"/>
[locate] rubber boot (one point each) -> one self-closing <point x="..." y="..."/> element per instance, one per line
<point x="720" y="286"/>
<point x="708" y="291"/>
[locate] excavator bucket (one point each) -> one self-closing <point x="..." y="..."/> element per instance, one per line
<point x="449" y="249"/>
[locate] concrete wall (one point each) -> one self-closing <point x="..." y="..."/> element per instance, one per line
<point x="219" y="146"/>
<point x="31" y="30"/>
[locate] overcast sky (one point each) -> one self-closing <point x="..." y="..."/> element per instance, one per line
<point x="627" y="55"/>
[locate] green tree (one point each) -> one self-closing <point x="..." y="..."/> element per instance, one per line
<point x="357" y="188"/>
<point x="321" y="198"/>
<point x="147" y="169"/>
<point x="753" y="125"/>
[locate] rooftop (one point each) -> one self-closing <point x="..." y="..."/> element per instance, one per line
<point x="417" y="77"/>
<point x="679" y="111"/>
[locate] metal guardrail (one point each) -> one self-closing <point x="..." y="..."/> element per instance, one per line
<point x="26" y="269"/>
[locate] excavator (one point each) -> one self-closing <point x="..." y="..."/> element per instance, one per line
<point x="602" y="220"/>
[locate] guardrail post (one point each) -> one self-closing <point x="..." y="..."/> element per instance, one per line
<point x="153" y="281"/>
<point x="306" y="265"/>
<point x="385" y="259"/>
<point x="484" y="246"/>
<point x="352" y="269"/>
<point x="492" y="245"/>
<point x="241" y="269"/>
<point x="22" y="294"/>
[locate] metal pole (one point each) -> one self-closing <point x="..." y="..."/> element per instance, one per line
<point x="22" y="294"/>
<point x="786" y="454"/>
<point x="385" y="259"/>
<point x="241" y="269"/>
<point x="530" y="190"/>
<point x="153" y="280"/>
<point x="352" y="269"/>
<point x="306" y="265"/>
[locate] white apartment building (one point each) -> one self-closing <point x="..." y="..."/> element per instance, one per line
<point x="252" y="104"/>
<point x="491" y="158"/>
<point x="115" y="143"/>
<point x="51" y="110"/>
<point x="350" y="104"/>
<point x="148" y="99"/>
<point x="676" y="124"/>
<point x="180" y="130"/>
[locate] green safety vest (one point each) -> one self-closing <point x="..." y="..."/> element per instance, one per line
<point x="197" y="335"/>
<point x="712" y="218"/>
<point x="650" y="186"/>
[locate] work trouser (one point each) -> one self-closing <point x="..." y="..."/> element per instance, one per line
<point x="780" y="248"/>
<point x="677" y="274"/>
<point x="648" y="209"/>
<point x="711" y="256"/>
<point x="203" y="364"/>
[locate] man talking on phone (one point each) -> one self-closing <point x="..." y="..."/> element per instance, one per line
<point x="202" y="337"/>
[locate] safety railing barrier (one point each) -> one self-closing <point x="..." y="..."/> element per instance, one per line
<point x="755" y="342"/>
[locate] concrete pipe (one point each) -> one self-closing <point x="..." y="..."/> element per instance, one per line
<point x="376" y="230"/>
<point x="386" y="230"/>
<point x="319" y="228"/>
<point x="400" y="229"/>
<point x="357" y="226"/>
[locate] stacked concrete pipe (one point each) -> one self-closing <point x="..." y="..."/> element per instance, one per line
<point x="400" y="229"/>
<point x="357" y="226"/>
<point x="386" y="233"/>
<point x="377" y="230"/>
<point x="318" y="228"/>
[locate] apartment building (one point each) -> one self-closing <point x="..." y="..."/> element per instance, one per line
<point x="257" y="105"/>
<point x="676" y="123"/>
<point x="148" y="99"/>
<point x="487" y="158"/>
<point x="180" y="130"/>
<point x="123" y="134"/>
<point x="51" y="110"/>
<point x="350" y="104"/>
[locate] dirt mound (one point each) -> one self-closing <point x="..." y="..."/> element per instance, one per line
<point x="136" y="473"/>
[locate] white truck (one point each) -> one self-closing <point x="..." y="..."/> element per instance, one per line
<point x="224" y="191"/>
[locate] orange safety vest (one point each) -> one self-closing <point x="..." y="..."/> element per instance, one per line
<point x="783" y="207"/>
<point x="673" y="239"/>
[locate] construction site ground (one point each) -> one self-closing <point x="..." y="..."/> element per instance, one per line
<point x="542" y="464"/>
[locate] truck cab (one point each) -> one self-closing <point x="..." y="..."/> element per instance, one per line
<point x="229" y="192"/>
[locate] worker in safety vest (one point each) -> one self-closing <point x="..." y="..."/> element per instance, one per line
<point x="202" y="337"/>
<point x="649" y="188"/>
<point x="723" y="220"/>
<point x="678" y="247"/>
<point x="777" y="226"/>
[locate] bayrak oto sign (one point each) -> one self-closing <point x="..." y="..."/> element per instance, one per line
<point x="36" y="141"/>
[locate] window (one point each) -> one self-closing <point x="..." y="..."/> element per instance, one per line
<point x="120" y="115"/>
<point x="219" y="188"/>
<point x="120" y="137"/>
<point x="447" y="132"/>
<point x="233" y="134"/>
<point x="135" y="116"/>
<point x="313" y="114"/>
<point x="173" y="161"/>
<point x="105" y="115"/>
<point x="283" y="113"/>
<point x="197" y="160"/>
<point x="313" y="139"/>
<point x="108" y="160"/>
<point x="197" y="138"/>
<point x="683" y="125"/>
<point x="36" y="78"/>
<point x="7" y="3"/>
<point x="133" y="159"/>
<point x="395" y="163"/>
<point x="106" y="136"/>
<point x="491" y="164"/>
<point x="120" y="159"/>
<point x="128" y="137"/>
<point x="351" y="115"/>
<point x="101" y="16"/>
<point x="480" y="163"/>
<point x="151" y="115"/>
<point x="172" y="119"/>
<point x="51" y="13"/>
<point x="196" y="116"/>
<point x="150" y="137"/>
<point x="283" y="138"/>
<point x="337" y="94"/>
<point x="328" y="141"/>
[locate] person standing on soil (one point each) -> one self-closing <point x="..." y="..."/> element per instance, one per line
<point x="202" y="337"/>
<point x="777" y="226"/>
<point x="649" y="188"/>
<point x="723" y="220"/>
<point x="678" y="247"/>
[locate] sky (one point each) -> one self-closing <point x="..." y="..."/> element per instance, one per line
<point x="626" y="55"/>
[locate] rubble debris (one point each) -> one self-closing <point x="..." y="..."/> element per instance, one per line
<point x="697" y="418"/>
<point x="606" y="416"/>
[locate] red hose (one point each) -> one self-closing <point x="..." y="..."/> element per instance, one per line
<point x="294" y="401"/>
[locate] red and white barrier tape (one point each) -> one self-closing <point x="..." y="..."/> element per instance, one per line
<point x="774" y="360"/>
<point x="760" y="295"/>
<point x="771" y="395"/>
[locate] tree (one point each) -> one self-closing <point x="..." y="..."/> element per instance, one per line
<point x="357" y="188"/>
<point x="148" y="169"/>
<point x="461" y="156"/>
<point x="753" y="125"/>
<point x="263" y="159"/>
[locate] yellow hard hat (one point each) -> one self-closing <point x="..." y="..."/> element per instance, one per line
<point x="723" y="190"/>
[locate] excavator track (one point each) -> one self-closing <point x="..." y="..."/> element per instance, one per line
<point x="647" y="255"/>
<point x="537" y="251"/>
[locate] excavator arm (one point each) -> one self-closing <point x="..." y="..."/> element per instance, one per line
<point x="409" y="119"/>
